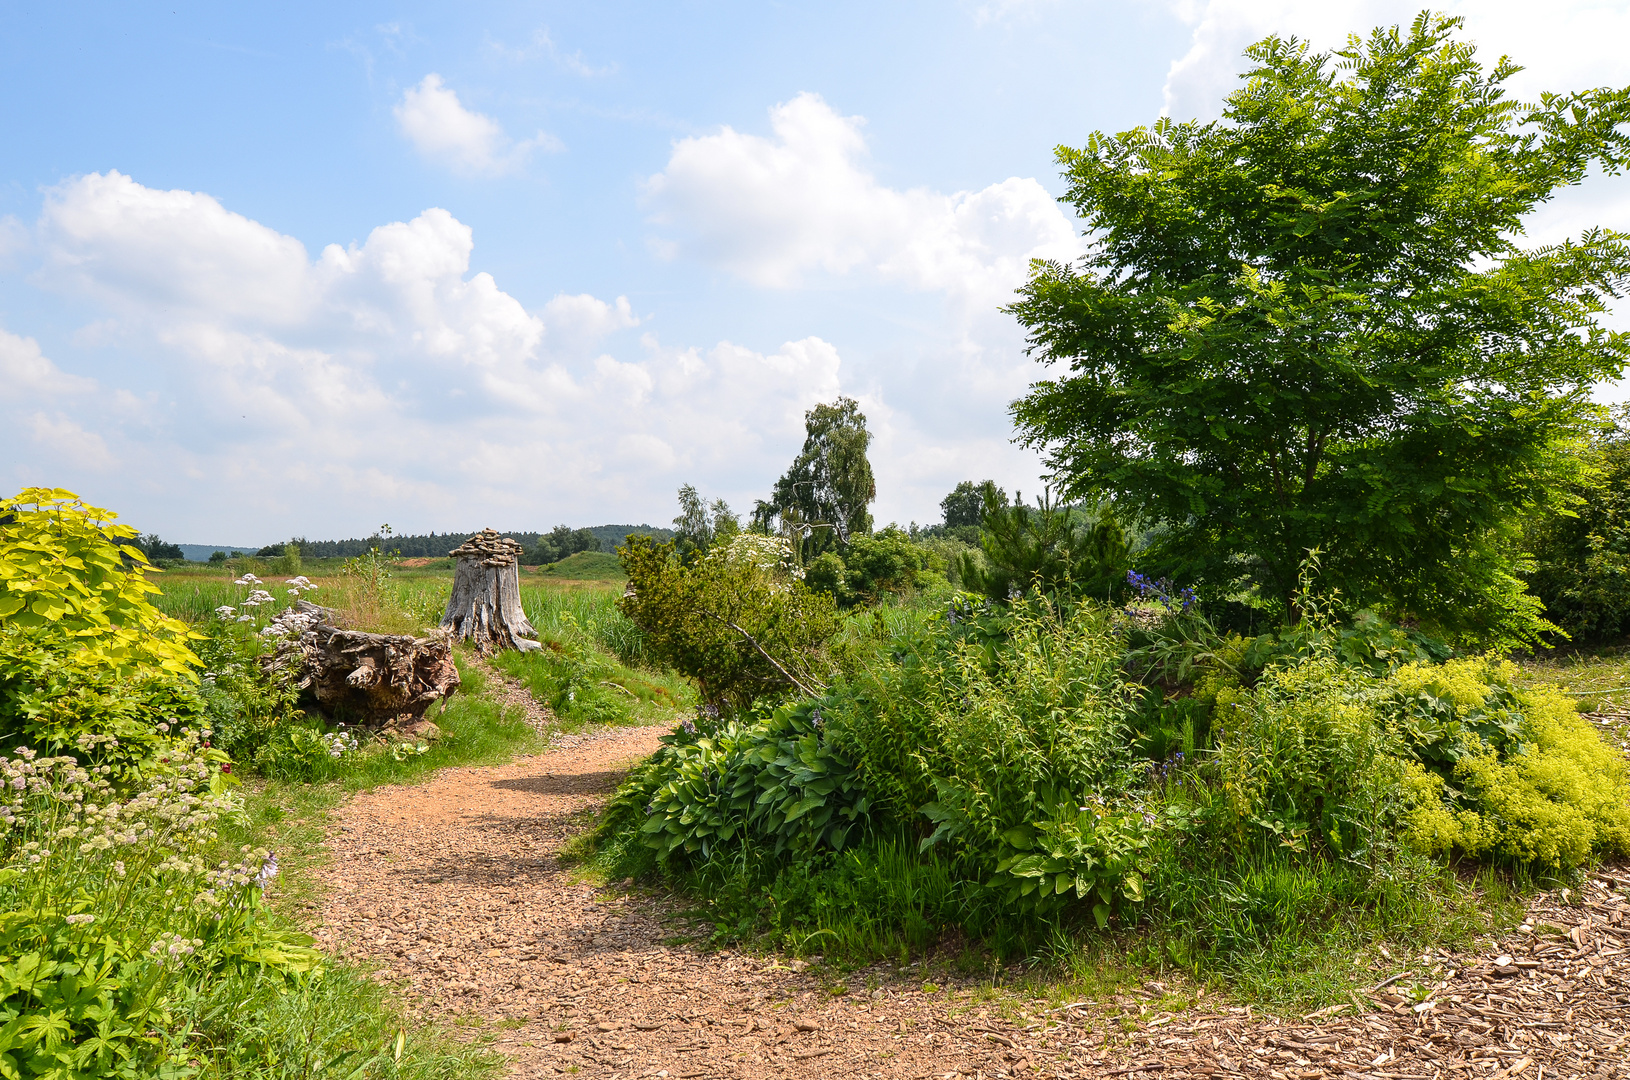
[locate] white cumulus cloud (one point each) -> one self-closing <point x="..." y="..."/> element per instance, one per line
<point x="579" y="323"/>
<point x="148" y="250"/>
<point x="26" y="371"/>
<point x="66" y="441"/>
<point x="775" y="210"/>
<point x="442" y="129"/>
<point x="1575" y="43"/>
<point x="279" y="391"/>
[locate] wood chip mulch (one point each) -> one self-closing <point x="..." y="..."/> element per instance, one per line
<point x="454" y="891"/>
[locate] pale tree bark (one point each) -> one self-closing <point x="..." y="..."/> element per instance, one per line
<point x="485" y="608"/>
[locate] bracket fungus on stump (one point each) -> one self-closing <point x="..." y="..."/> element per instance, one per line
<point x="485" y="608"/>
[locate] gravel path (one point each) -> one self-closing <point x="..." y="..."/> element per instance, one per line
<point x="454" y="890"/>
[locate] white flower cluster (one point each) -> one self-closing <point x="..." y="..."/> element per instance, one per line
<point x="290" y="623"/>
<point x="282" y="625"/>
<point x="123" y="857"/>
<point x="772" y="554"/>
<point x="339" y="743"/>
<point x="224" y="883"/>
<point x="170" y="947"/>
<point x="298" y="585"/>
<point x="57" y="799"/>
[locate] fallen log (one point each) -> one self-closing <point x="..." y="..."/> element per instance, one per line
<point x="371" y="680"/>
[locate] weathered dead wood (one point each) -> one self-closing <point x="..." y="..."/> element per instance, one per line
<point x="485" y="608"/>
<point x="368" y="679"/>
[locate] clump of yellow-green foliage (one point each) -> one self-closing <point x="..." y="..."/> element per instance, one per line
<point x="1549" y="791"/>
<point x="1459" y="757"/>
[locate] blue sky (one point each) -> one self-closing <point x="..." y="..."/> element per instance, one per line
<point x="304" y="269"/>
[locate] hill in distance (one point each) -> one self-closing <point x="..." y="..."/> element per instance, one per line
<point x="428" y="545"/>
<point x="202" y="552"/>
<point x="610" y="536"/>
<point x="587" y="566"/>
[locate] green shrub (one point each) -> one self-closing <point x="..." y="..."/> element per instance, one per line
<point x="1257" y="805"/>
<point x="737" y="620"/>
<point x="307" y="752"/>
<point x="83" y="649"/>
<point x="827" y="573"/>
<point x="874" y="565"/>
<point x="1058" y="550"/>
<point x="245" y="707"/>
<point x="50" y="700"/>
<point x="892" y="663"/>
<point x="1043" y="725"/>
<point x="1304" y="759"/>
<point x="66" y="581"/>
<point x="1581" y="568"/>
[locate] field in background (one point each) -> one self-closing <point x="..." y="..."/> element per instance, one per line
<point x="595" y="668"/>
<point x="586" y="566"/>
<point x="583" y="592"/>
<point x="580" y="598"/>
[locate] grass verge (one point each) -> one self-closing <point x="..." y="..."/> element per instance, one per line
<point x="1598" y="679"/>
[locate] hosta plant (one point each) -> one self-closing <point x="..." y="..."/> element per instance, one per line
<point x="775" y="780"/>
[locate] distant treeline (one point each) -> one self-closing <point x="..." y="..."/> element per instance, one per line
<point x="437" y="545"/>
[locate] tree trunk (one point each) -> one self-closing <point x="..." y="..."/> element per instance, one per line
<point x="485" y="608"/>
<point x="370" y="679"/>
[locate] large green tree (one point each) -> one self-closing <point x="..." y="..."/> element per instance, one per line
<point x="699" y="526"/>
<point x="1313" y="323"/>
<point x="965" y="505"/>
<point x="1582" y="554"/>
<point x="826" y="493"/>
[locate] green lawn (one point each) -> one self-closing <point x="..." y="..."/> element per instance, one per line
<point x="1598" y="679"/>
<point x="586" y="566"/>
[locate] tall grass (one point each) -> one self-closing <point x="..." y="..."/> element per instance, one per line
<point x="583" y="685"/>
<point x="344" y="1024"/>
<point x="578" y="611"/>
<point x="194" y="600"/>
<point x="586" y="614"/>
<point x="392" y="606"/>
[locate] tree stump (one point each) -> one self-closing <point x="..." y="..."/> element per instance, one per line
<point x="369" y="679"/>
<point x="485" y="608"/>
